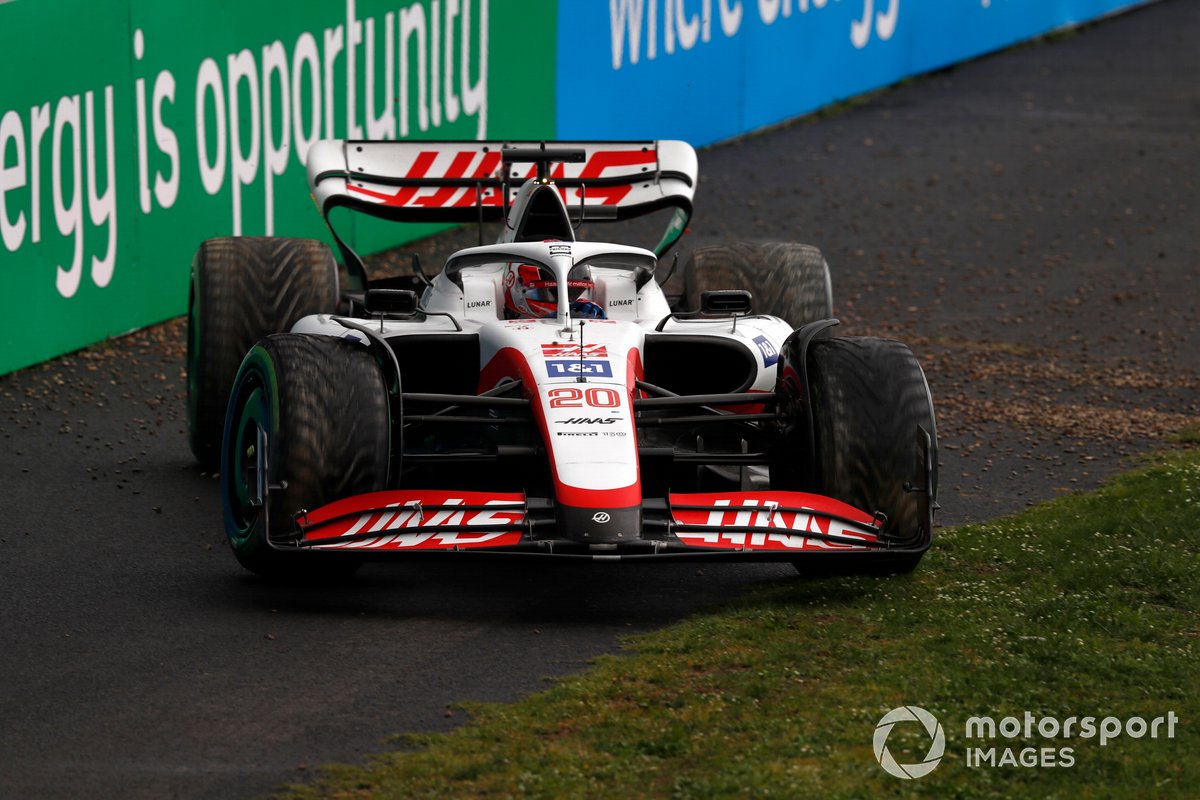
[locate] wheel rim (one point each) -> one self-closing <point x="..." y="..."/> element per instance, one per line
<point x="250" y="436"/>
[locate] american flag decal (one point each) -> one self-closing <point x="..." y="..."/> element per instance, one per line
<point x="572" y="351"/>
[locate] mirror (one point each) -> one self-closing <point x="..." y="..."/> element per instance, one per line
<point x="399" y="302"/>
<point x="727" y="301"/>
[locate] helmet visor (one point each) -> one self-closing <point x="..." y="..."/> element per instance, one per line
<point x="541" y="287"/>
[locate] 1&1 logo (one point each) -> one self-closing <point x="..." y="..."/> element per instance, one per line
<point x="932" y="727"/>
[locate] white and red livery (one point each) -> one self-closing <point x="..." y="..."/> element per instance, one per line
<point x="636" y="430"/>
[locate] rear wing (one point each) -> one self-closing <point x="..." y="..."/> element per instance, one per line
<point x="476" y="181"/>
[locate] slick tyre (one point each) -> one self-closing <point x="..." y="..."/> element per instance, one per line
<point x="788" y="280"/>
<point x="874" y="440"/>
<point x="320" y="407"/>
<point x="244" y="288"/>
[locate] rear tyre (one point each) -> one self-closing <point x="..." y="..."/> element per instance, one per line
<point x="244" y="288"/>
<point x="871" y="411"/>
<point x="322" y="407"/>
<point x="789" y="280"/>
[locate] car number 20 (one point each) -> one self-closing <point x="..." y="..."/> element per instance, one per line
<point x="593" y="397"/>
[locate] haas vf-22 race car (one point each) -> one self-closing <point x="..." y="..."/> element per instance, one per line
<point x="543" y="395"/>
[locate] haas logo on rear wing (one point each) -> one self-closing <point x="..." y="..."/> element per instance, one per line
<point x="465" y="181"/>
<point x="475" y="181"/>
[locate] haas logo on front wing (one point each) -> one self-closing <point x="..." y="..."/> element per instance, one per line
<point x="409" y="525"/>
<point x="780" y="530"/>
<point x="587" y="421"/>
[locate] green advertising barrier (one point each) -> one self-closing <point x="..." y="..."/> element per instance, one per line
<point x="130" y="131"/>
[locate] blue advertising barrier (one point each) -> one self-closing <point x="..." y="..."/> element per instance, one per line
<point x="707" y="70"/>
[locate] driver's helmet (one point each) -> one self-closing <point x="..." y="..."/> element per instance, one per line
<point x="530" y="291"/>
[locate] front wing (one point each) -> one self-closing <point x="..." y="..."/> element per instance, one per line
<point x="763" y="525"/>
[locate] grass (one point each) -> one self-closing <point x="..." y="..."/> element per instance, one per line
<point x="1189" y="434"/>
<point x="1087" y="605"/>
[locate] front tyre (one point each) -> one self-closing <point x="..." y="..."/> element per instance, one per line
<point x="874" y="438"/>
<point x="308" y="416"/>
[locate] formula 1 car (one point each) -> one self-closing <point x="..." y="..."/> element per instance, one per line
<point x="543" y="395"/>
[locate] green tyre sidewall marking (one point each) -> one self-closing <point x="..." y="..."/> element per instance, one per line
<point x="254" y="403"/>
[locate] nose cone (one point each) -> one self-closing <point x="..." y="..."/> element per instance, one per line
<point x="600" y="525"/>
